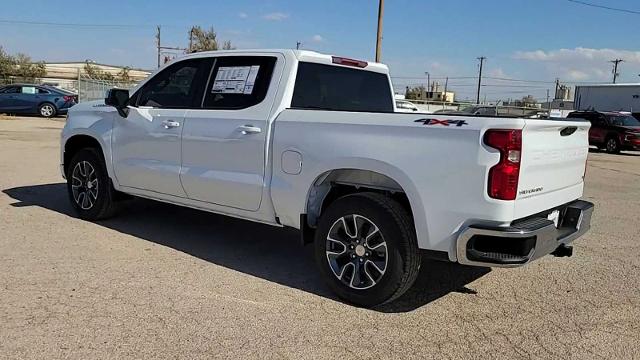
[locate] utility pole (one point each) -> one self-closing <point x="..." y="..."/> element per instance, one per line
<point x="428" y="81"/>
<point x="482" y="59"/>
<point x="615" y="68"/>
<point x="160" y="47"/>
<point x="549" y="103"/>
<point x="379" y="35"/>
<point x="446" y="83"/>
<point x="298" y="44"/>
<point x="158" y="43"/>
<point x="555" y="96"/>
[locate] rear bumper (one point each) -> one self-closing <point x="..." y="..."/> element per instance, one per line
<point x="524" y="240"/>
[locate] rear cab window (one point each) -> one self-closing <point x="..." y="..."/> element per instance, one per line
<point x="337" y="88"/>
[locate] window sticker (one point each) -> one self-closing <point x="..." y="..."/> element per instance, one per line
<point x="251" y="79"/>
<point x="235" y="79"/>
<point x="28" y="90"/>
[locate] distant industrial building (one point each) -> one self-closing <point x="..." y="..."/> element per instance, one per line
<point x="435" y="94"/>
<point x="66" y="74"/>
<point x="608" y="97"/>
<point x="562" y="102"/>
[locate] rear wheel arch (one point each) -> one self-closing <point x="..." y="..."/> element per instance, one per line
<point x="334" y="184"/>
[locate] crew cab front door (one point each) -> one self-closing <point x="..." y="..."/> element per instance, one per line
<point x="146" y="143"/>
<point x="224" y="142"/>
<point x="8" y="98"/>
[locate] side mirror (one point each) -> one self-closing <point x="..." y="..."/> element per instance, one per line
<point x="119" y="99"/>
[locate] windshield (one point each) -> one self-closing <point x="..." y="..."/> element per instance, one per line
<point x="624" y="121"/>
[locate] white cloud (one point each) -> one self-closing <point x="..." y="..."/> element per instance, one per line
<point x="580" y="54"/>
<point x="497" y="72"/>
<point x="243" y="15"/>
<point x="317" y="38"/>
<point x="583" y="64"/>
<point x="276" y="16"/>
<point x="577" y="75"/>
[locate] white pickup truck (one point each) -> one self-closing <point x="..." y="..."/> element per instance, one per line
<point x="311" y="141"/>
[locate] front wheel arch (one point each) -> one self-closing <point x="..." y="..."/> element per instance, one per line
<point x="78" y="142"/>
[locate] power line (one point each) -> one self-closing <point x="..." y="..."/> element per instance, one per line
<point x="21" y="22"/>
<point x="605" y="7"/>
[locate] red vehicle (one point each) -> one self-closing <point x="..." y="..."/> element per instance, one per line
<point x="611" y="131"/>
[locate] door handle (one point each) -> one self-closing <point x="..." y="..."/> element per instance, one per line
<point x="169" y="124"/>
<point x="249" y="129"/>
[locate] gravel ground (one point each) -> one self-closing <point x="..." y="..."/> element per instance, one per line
<point x="166" y="282"/>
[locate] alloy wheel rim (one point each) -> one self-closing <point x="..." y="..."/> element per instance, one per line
<point x="46" y="110"/>
<point x="84" y="185"/>
<point x="611" y="145"/>
<point x="356" y="251"/>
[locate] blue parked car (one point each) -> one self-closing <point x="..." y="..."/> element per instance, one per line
<point x="42" y="100"/>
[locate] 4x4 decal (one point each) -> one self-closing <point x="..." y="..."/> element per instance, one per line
<point x="427" y="121"/>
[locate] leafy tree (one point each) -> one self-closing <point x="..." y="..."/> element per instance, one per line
<point x="20" y="65"/>
<point x="123" y="75"/>
<point x="6" y="64"/>
<point x="206" y="40"/>
<point x="94" y="72"/>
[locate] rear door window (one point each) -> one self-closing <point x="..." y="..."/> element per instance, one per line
<point x="327" y="87"/>
<point x="29" y="90"/>
<point x="239" y="82"/>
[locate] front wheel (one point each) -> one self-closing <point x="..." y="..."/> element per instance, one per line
<point x="90" y="190"/>
<point x="366" y="249"/>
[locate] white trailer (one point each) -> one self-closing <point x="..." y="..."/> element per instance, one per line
<point x="608" y="97"/>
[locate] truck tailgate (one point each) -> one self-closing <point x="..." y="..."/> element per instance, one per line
<point x="554" y="155"/>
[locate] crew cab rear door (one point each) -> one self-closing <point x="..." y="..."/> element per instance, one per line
<point x="224" y="142"/>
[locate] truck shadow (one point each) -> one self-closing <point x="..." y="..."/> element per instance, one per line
<point x="267" y="252"/>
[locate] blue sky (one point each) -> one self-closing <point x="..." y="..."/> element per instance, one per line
<point x="522" y="39"/>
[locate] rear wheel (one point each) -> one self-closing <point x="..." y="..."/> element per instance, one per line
<point x="366" y="249"/>
<point x="612" y="145"/>
<point x="47" y="110"/>
<point x="90" y="190"/>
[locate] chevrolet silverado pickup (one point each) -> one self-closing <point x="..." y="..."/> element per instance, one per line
<point x="314" y="142"/>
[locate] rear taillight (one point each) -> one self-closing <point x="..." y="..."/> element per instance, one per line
<point x="503" y="177"/>
<point x="68" y="98"/>
<point x="349" y="62"/>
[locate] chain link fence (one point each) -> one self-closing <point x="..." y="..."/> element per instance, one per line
<point x="87" y="89"/>
<point x="90" y="89"/>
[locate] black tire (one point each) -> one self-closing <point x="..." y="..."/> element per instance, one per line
<point x="47" y="110"/>
<point x="87" y="166"/>
<point x="612" y="145"/>
<point x="396" y="230"/>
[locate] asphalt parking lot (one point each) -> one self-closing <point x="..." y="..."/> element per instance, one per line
<point x="161" y="281"/>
